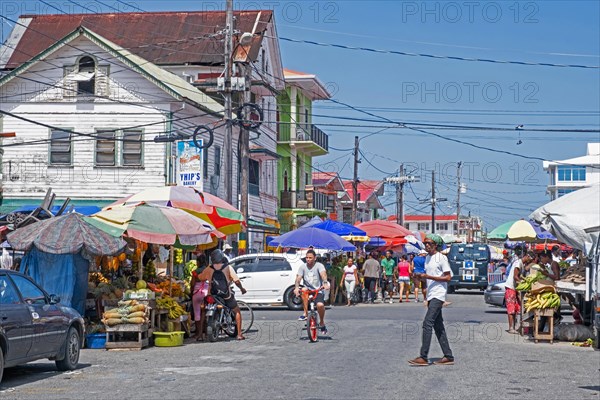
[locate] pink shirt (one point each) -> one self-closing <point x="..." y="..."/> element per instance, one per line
<point x="403" y="268"/>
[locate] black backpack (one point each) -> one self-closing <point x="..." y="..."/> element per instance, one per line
<point x="219" y="285"/>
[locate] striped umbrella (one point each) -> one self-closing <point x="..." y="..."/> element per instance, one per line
<point x="155" y="224"/>
<point x="67" y="234"/>
<point x="217" y="212"/>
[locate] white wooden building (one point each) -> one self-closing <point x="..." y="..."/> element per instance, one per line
<point x="86" y="104"/>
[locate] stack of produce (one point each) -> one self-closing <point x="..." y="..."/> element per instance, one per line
<point x="526" y="283"/>
<point x="541" y="301"/>
<point x="168" y="303"/>
<point x="149" y="273"/>
<point x="128" y="312"/>
<point x="141" y="291"/>
<point x="176" y="289"/>
<point x="575" y="274"/>
<point x="108" y="291"/>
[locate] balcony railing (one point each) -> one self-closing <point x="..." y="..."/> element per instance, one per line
<point x="304" y="199"/>
<point x="304" y="132"/>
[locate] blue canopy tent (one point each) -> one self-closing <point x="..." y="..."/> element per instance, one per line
<point x="340" y="228"/>
<point x="312" y="222"/>
<point x="315" y="237"/>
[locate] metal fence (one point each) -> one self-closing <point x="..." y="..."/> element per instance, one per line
<point x="495" y="277"/>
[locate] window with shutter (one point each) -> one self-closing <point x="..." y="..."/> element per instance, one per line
<point x="69" y="84"/>
<point x="105" y="148"/>
<point x="102" y="86"/>
<point x="61" y="149"/>
<point x="132" y="148"/>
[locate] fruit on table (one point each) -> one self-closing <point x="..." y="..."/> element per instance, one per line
<point x="541" y="301"/>
<point x="141" y="284"/>
<point x="168" y="303"/>
<point x="526" y="283"/>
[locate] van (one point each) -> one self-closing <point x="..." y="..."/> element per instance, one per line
<point x="469" y="263"/>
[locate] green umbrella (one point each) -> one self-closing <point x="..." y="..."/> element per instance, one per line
<point x="500" y="232"/>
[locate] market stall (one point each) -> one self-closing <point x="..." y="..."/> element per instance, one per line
<point x="574" y="219"/>
<point x="58" y="254"/>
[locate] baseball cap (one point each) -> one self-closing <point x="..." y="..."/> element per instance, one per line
<point x="227" y="246"/>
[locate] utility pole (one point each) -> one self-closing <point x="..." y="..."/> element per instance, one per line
<point x="459" y="189"/>
<point x="228" y="105"/>
<point x="245" y="150"/>
<point x="355" y="182"/>
<point x="400" y="197"/>
<point x="432" y="201"/>
<point x="400" y="180"/>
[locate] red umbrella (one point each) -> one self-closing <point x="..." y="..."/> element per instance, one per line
<point x="384" y="229"/>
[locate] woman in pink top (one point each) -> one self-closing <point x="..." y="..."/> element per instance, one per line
<point x="349" y="279"/>
<point x="404" y="276"/>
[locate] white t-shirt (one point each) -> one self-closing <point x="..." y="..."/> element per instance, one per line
<point x="349" y="273"/>
<point x="510" y="279"/>
<point x="436" y="265"/>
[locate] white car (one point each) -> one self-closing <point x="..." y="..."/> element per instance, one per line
<point x="268" y="278"/>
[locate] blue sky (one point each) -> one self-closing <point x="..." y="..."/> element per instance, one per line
<point x="427" y="90"/>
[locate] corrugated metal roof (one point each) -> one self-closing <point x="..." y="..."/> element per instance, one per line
<point x="171" y="83"/>
<point x="160" y="37"/>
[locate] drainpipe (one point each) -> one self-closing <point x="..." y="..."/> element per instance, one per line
<point x="169" y="151"/>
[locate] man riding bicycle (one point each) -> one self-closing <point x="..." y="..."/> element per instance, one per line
<point x="314" y="276"/>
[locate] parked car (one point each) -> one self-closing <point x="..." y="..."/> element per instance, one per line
<point x="494" y="294"/>
<point x="268" y="278"/>
<point x="469" y="263"/>
<point x="34" y="325"/>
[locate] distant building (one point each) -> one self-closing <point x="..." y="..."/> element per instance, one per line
<point x="575" y="173"/>
<point x="466" y="229"/>
<point x="367" y="204"/>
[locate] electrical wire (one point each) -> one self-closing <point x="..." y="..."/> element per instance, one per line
<point x="434" y="56"/>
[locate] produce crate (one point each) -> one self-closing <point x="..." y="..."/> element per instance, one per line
<point x="127" y="336"/>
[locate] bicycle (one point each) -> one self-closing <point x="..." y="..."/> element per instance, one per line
<point x="312" y="326"/>
<point x="222" y="318"/>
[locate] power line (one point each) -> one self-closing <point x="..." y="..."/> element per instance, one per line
<point x="455" y="58"/>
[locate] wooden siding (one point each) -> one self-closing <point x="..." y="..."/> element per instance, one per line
<point x="39" y="96"/>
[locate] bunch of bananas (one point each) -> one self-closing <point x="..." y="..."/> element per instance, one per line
<point x="168" y="303"/>
<point x="541" y="301"/>
<point x="526" y="283"/>
<point x="178" y="256"/>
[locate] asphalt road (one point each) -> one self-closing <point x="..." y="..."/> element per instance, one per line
<point x="364" y="356"/>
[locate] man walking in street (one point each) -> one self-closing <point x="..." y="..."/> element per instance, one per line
<point x="438" y="274"/>
<point x="388" y="265"/>
<point x="371" y="272"/>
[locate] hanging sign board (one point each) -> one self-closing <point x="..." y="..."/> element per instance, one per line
<point x="188" y="164"/>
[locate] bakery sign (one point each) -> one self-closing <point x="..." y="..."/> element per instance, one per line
<point x="188" y="164"/>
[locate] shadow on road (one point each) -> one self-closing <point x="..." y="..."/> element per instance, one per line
<point x="33" y="372"/>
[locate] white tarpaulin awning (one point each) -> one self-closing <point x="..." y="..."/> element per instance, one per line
<point x="574" y="219"/>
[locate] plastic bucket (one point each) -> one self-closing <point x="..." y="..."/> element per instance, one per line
<point x="95" y="340"/>
<point x="168" y="339"/>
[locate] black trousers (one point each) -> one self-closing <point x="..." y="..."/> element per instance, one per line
<point x="434" y="322"/>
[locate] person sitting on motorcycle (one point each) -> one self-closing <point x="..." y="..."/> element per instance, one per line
<point x="314" y="276"/>
<point x="222" y="277"/>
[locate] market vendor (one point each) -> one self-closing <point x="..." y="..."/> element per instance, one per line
<point x="550" y="268"/>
